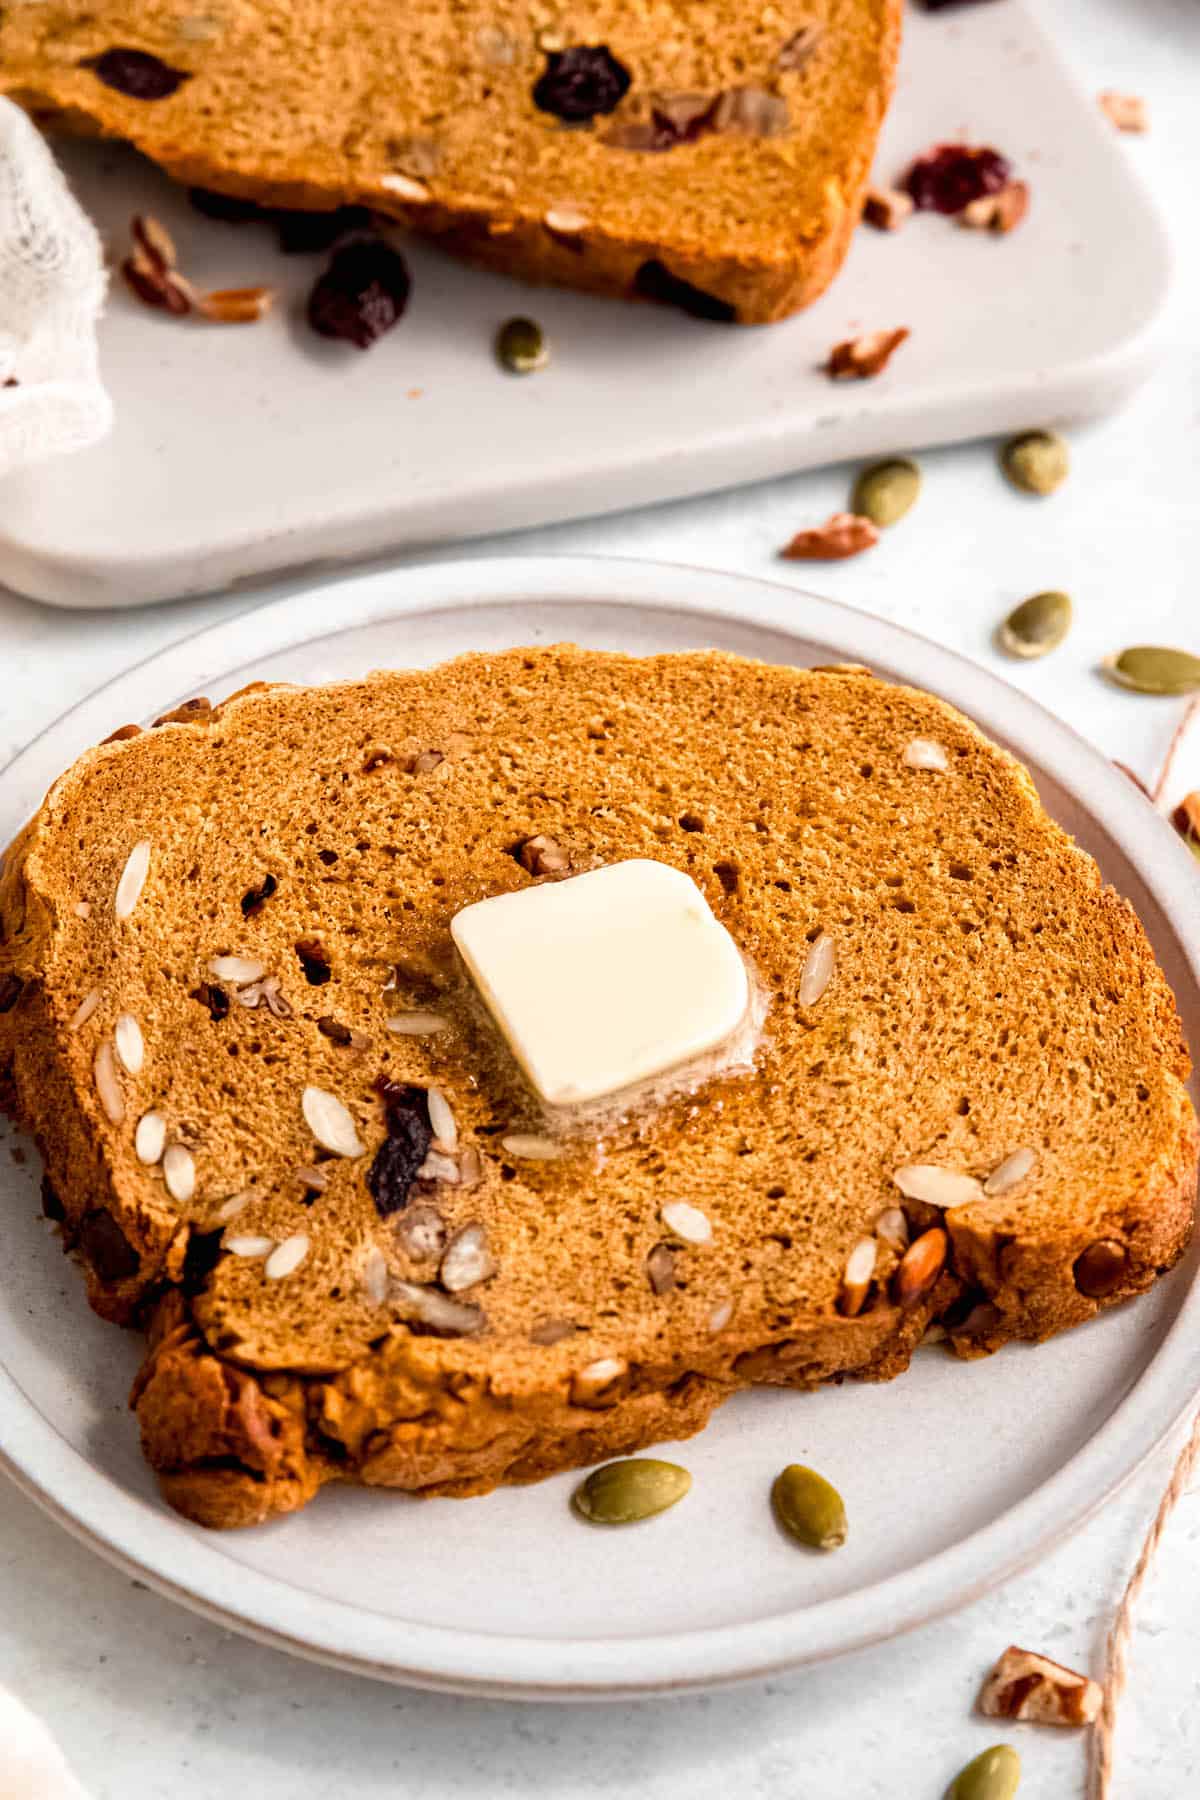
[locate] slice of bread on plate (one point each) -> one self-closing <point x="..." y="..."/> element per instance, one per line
<point x="277" y="1128"/>
<point x="713" y="155"/>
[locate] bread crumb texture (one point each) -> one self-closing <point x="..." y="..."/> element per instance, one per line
<point x="754" y="126"/>
<point x="359" y="1255"/>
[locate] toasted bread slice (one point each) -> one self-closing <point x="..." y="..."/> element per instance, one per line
<point x="988" y="996"/>
<point x="713" y="155"/>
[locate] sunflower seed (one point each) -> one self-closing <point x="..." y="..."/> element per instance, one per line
<point x="527" y="1146"/>
<point x="622" y="1493"/>
<point x="923" y="753"/>
<point x="286" y="1258"/>
<point x="129" y="1043"/>
<point x="405" y="187"/>
<point x="331" y="1122"/>
<point x="417" y="1024"/>
<point x="179" y="1172"/>
<point x="809" y="1508"/>
<point x="686" y="1222"/>
<point x="1154" y="669"/>
<point x="937" y="1186"/>
<point x="567" y="219"/>
<point x="376" y="1277"/>
<point x="249" y="1246"/>
<point x="133" y="879"/>
<point x="856" y="1282"/>
<point x="467" y="1260"/>
<point x="441" y="1117"/>
<point x="1007" y="1174"/>
<point x="817" y="972"/>
<point x="599" y="1383"/>
<point x="425" y="1306"/>
<point x="150" y="1138"/>
<point x="238" y="971"/>
<point x="891" y="1227"/>
<point x="421" y="1233"/>
<point x="84" y="1010"/>
<point x="108" y="1085"/>
<point x="660" y="1268"/>
<point x="236" y="1203"/>
<point x="720" y="1316"/>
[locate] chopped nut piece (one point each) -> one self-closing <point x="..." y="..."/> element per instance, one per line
<point x="919" y="1268"/>
<point x="542" y="856"/>
<point x="1024" y="1685"/>
<point x="856" y="359"/>
<point x="887" y="208"/>
<point x="467" y="1260"/>
<point x="1128" y="112"/>
<point x="421" y="1232"/>
<point x="235" y="306"/>
<point x="1000" y="212"/>
<point x="842" y="535"/>
<point x="437" y="1312"/>
<point x="923" y="753"/>
<point x="660" y="1268"/>
<point x="425" y="762"/>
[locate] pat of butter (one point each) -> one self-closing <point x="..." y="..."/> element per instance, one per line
<point x="604" y="979"/>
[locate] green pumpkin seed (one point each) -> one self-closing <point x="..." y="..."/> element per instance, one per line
<point x="886" y="491"/>
<point x="621" y="1493"/>
<point x="809" y="1508"/>
<point x="996" y="1775"/>
<point x="1037" y="462"/>
<point x="521" y="347"/>
<point x="1152" y="669"/>
<point x="1038" y="625"/>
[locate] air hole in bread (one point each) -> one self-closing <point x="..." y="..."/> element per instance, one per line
<point x="690" y="821"/>
<point x="313" y="961"/>
<point x="727" y="874"/>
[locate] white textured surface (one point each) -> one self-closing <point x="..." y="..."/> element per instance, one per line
<point x="238" y="451"/>
<point x="151" y="1703"/>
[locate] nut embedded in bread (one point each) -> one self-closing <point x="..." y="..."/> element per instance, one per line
<point x="715" y="158"/>
<point x="363" y="1257"/>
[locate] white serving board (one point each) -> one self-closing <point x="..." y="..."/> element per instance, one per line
<point x="954" y="1476"/>
<point x="238" y="451"/>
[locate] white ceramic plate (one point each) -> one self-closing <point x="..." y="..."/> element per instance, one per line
<point x="953" y="1476"/>
<point x="236" y="452"/>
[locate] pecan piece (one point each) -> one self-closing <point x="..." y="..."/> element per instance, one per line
<point x="1024" y="1685"/>
<point x="1126" y="111"/>
<point x="887" y="208"/>
<point x="843" y="534"/>
<point x="1000" y="212"/>
<point x="542" y="856"/>
<point x="857" y="359"/>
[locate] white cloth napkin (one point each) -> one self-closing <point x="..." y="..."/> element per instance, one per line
<point x="52" y="283"/>
<point x="32" y="1767"/>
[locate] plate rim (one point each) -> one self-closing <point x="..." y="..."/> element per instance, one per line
<point x="144" y="1539"/>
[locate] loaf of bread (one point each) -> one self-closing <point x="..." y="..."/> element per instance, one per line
<point x="276" y="1128"/>
<point x="702" y="152"/>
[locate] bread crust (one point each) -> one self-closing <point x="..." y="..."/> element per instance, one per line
<point x="246" y="1411"/>
<point x="504" y="220"/>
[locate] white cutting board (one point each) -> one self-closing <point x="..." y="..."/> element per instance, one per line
<point x="242" y="450"/>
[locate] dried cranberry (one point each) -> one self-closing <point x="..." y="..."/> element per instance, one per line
<point x="654" y="281"/>
<point x="253" y="898"/>
<point x="215" y="998"/>
<point x="314" y="962"/>
<point x="952" y="175"/>
<point x="405" y="1148"/>
<point x="136" y="73"/>
<point x="310" y="233"/>
<point x="580" y="82"/>
<point x="361" y="294"/>
<point x="107" y="1248"/>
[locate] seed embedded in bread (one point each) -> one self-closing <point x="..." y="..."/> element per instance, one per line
<point x="129" y="1043"/>
<point x="937" y="1186"/>
<point x="286" y="1257"/>
<point x="84" y="1010"/>
<point x="108" y="1086"/>
<point x="133" y="879"/>
<point x="331" y="1122"/>
<point x="150" y="1138"/>
<point x="687" y="1222"/>
<point x="179" y="1172"/>
<point x="1011" y="1172"/>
